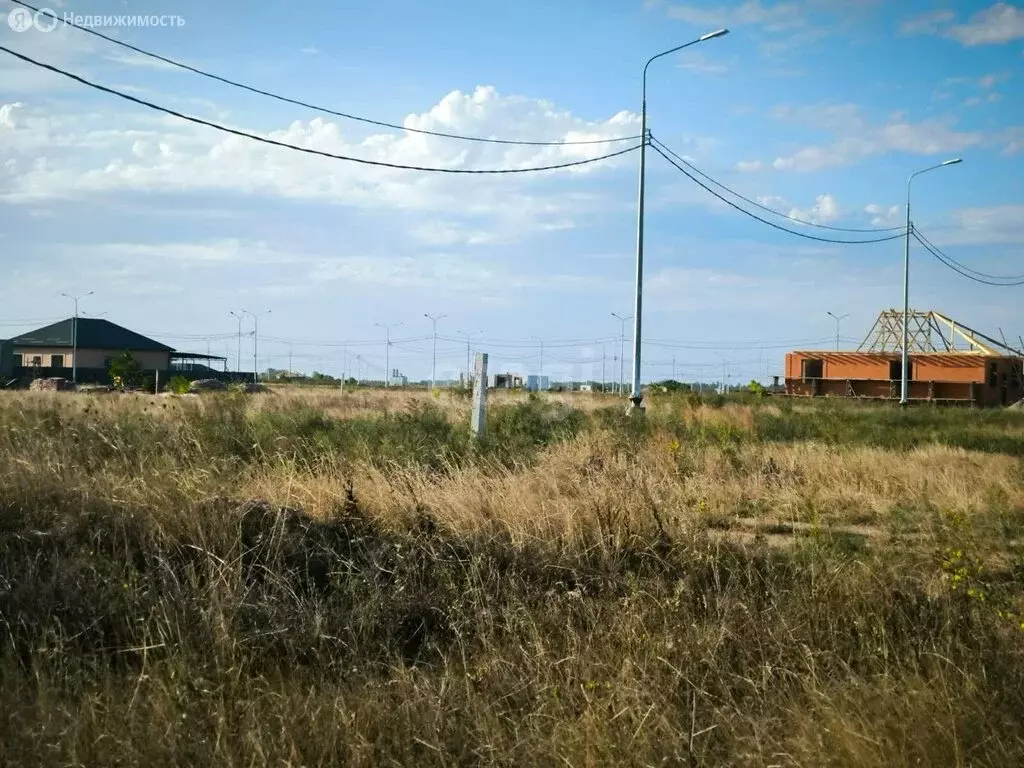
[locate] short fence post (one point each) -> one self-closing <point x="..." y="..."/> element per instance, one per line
<point x="478" y="416"/>
<point x="156" y="385"/>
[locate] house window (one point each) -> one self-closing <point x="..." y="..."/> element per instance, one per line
<point x="812" y="369"/>
<point x="17" y="360"/>
<point x="37" y="361"/>
<point x="56" y="361"/>
<point x="993" y="377"/>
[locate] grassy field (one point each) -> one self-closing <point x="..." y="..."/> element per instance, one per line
<point x="301" y="579"/>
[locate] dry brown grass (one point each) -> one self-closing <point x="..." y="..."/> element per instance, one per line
<point x="695" y="592"/>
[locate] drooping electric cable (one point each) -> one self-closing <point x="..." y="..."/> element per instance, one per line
<point x="754" y="216"/>
<point x="307" y="150"/>
<point x="756" y="204"/>
<point x="314" y="107"/>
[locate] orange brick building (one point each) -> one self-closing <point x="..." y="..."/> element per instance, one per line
<point x="981" y="372"/>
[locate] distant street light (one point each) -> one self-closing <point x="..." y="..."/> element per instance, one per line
<point x="636" y="397"/>
<point x="622" y="350"/>
<point x="905" y="373"/>
<point x="74" y="335"/>
<point x="238" y="361"/>
<point x="469" y="374"/>
<point x="433" y="362"/>
<point x="255" y="342"/>
<point x="837" y="319"/>
<point x="387" y="349"/>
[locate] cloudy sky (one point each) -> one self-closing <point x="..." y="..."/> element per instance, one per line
<point x="817" y="108"/>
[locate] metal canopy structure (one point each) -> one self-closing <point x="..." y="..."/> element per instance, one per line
<point x="930" y="332"/>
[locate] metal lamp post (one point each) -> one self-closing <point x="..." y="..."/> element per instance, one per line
<point x="387" y="350"/>
<point x="837" y="318"/>
<point x="238" y="358"/>
<point x="255" y="342"/>
<point x="636" y="397"/>
<point x="433" y="361"/>
<point x="74" y="335"/>
<point x="622" y="349"/>
<point x="905" y="361"/>
<point x="468" y="363"/>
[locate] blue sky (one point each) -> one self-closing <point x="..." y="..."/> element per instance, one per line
<point x="818" y="108"/>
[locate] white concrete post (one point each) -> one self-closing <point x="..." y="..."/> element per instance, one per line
<point x="477" y="419"/>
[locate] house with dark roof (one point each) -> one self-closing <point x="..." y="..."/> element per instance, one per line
<point x="94" y="341"/>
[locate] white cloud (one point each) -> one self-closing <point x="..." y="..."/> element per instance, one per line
<point x="998" y="24"/>
<point x="975" y="101"/>
<point x="446" y="274"/>
<point x="752" y="12"/>
<point x="930" y="23"/>
<point x="160" y="155"/>
<point x="749" y="165"/>
<point x="698" y="62"/>
<point x="882" y="216"/>
<point x="7" y="114"/>
<point x="986" y="82"/>
<point x="824" y="210"/>
<point x="985" y="225"/>
<point x="856" y="138"/>
<point x="192" y="254"/>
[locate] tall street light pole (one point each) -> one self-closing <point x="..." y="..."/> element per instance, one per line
<point x="540" y="378"/>
<point x="387" y="350"/>
<point x="74" y="335"/>
<point x="837" y="319"/>
<point x="622" y="350"/>
<point x="636" y="397"/>
<point x="905" y="361"/>
<point x="468" y="365"/>
<point x="238" y="358"/>
<point x="433" y="361"/>
<point x="255" y="342"/>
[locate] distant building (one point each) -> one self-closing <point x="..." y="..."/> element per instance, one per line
<point x="397" y="379"/>
<point x="504" y="381"/>
<point x="6" y="361"/>
<point x="947" y="362"/>
<point x="536" y="383"/>
<point x="96" y="343"/>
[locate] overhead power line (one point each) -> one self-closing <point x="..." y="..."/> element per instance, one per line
<point x="325" y="110"/>
<point x="754" y="216"/>
<point x="756" y="204"/>
<point x="928" y="243"/>
<point x="772" y="224"/>
<point x="307" y="150"/>
<point x="954" y="266"/>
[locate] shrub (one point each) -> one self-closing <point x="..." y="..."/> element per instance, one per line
<point x="178" y="384"/>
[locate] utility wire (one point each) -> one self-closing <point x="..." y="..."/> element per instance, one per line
<point x="307" y="150"/>
<point x="743" y="210"/>
<point x="943" y="258"/>
<point x="325" y="110"/>
<point x="920" y="236"/>
<point x="756" y="204"/>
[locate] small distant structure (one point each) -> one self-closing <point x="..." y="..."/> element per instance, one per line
<point x="397" y="379"/>
<point x="504" y="381"/>
<point x="535" y="383"/>
<point x="948" y="362"/>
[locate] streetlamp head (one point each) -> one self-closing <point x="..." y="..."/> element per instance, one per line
<point x="954" y="161"/>
<point x="711" y="35"/>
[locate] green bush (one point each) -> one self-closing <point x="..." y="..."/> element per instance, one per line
<point x="178" y="385"/>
